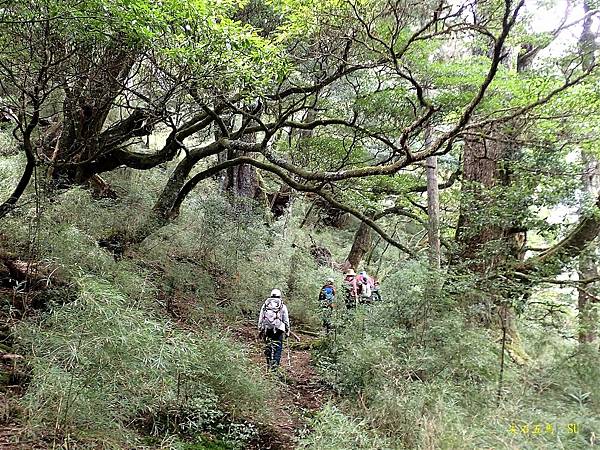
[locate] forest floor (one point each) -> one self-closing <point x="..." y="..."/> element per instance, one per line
<point x="302" y="392"/>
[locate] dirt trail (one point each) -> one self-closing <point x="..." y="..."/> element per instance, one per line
<point x="301" y="395"/>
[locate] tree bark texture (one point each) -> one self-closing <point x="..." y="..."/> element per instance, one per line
<point x="241" y="180"/>
<point x="86" y="106"/>
<point x="484" y="168"/>
<point x="361" y="245"/>
<point x="587" y="301"/>
<point x="487" y="241"/>
<point x="433" y="210"/>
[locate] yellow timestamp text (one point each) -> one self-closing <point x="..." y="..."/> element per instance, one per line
<point x="543" y="428"/>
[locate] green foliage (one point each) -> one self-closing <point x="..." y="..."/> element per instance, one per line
<point x="206" y="445"/>
<point x="413" y="372"/>
<point x="136" y="348"/>
<point x="8" y="146"/>
<point x="198" y="36"/>
<point x="333" y="430"/>
<point x="10" y="170"/>
<point x="420" y="373"/>
<point x="101" y="365"/>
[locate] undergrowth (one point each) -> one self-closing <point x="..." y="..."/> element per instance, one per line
<point x="429" y="379"/>
<point x="139" y="352"/>
<point x="103" y="368"/>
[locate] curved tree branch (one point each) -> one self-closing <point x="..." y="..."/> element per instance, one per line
<point x="116" y="156"/>
<point x="451" y="180"/>
<point x="11" y="201"/>
<point x="398" y="210"/>
<point x="569" y="247"/>
<point x="287" y="179"/>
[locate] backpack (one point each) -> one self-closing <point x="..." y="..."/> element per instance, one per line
<point x="271" y="319"/>
<point x="327" y="295"/>
<point x="365" y="289"/>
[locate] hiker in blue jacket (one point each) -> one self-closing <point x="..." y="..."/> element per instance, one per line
<point x="327" y="301"/>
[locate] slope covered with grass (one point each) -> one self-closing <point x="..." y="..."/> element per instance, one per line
<point x="140" y="347"/>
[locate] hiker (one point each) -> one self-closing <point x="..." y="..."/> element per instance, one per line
<point x="273" y="323"/>
<point x="351" y="289"/>
<point x="327" y="299"/>
<point x="365" y="285"/>
<point x="376" y="291"/>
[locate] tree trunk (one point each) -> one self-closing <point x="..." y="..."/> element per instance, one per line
<point x="433" y="210"/>
<point x="279" y="201"/>
<point x="360" y="246"/>
<point x="242" y="180"/>
<point x="486" y="165"/>
<point x="587" y="301"/>
<point x="166" y="200"/>
<point x="487" y="241"/>
<point x="481" y="161"/>
<point x="87" y="104"/>
<point x="10" y="203"/>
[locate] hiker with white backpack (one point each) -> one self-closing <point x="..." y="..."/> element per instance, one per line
<point x="273" y="324"/>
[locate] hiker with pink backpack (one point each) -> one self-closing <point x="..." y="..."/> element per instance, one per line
<point x="273" y="324"/>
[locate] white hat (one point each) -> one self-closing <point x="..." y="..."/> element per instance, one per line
<point x="350" y="272"/>
<point x="275" y="293"/>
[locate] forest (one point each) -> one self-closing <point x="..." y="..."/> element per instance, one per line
<point x="170" y="167"/>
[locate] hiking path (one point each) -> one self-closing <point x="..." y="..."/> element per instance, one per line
<point x="302" y="393"/>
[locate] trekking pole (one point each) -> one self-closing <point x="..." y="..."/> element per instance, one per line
<point x="288" y="354"/>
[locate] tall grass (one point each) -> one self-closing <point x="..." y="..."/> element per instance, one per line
<point x="102" y="367"/>
<point x="433" y="384"/>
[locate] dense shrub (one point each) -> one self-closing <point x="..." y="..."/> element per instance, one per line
<point x="137" y="344"/>
<point x="103" y="367"/>
<point x="333" y="430"/>
<point x="417" y="371"/>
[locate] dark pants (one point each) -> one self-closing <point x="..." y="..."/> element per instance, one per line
<point x="327" y="316"/>
<point x="273" y="347"/>
<point x="350" y="301"/>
